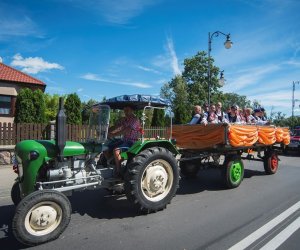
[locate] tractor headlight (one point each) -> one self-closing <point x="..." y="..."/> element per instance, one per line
<point x="33" y="155"/>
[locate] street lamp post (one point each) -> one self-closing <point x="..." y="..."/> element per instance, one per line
<point x="227" y="45"/>
<point x="293" y="99"/>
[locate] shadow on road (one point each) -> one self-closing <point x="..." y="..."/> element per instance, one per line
<point x="102" y="204"/>
<point x="209" y="180"/>
<point x="8" y="241"/>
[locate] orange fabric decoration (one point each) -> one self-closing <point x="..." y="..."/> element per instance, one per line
<point x="242" y="135"/>
<point x="199" y="136"/>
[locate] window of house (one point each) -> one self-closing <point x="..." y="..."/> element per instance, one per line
<point x="5" y="105"/>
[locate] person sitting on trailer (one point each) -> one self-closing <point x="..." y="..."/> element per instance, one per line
<point x="233" y="116"/>
<point x="212" y="117"/>
<point x="249" y="117"/>
<point x="259" y="121"/>
<point x="129" y="127"/>
<point x="198" y="116"/>
<point x="205" y="110"/>
<point x="262" y="114"/>
<point x="222" y="116"/>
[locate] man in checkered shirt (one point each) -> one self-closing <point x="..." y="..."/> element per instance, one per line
<point x="129" y="127"/>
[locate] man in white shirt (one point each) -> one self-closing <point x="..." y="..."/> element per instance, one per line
<point x="197" y="118"/>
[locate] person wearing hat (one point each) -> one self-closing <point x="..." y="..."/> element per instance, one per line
<point x="233" y="116"/>
<point x="257" y="116"/>
<point x="262" y="114"/>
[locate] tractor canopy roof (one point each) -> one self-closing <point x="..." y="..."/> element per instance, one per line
<point x="136" y="101"/>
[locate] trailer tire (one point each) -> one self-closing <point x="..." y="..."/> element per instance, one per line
<point x="233" y="171"/>
<point x="152" y="179"/>
<point x="41" y="217"/>
<point x="271" y="162"/>
<point x="15" y="193"/>
<point x="189" y="169"/>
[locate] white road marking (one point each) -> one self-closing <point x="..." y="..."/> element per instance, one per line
<point x="282" y="236"/>
<point x="265" y="228"/>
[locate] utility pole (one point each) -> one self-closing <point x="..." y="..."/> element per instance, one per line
<point x="293" y="99"/>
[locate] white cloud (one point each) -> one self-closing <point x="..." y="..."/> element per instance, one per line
<point x="117" y="11"/>
<point x="80" y="90"/>
<point x="148" y="69"/>
<point x="13" y="27"/>
<point x="15" y="22"/>
<point x="173" y="57"/>
<point x="33" y="65"/>
<point x="95" y="77"/>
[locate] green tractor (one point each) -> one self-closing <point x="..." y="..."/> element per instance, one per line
<point x="49" y="170"/>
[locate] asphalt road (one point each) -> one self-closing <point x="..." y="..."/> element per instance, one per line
<point x="263" y="211"/>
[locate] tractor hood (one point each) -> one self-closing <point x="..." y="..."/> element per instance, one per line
<point x="47" y="148"/>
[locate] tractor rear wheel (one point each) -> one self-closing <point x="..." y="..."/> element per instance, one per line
<point x="152" y="179"/>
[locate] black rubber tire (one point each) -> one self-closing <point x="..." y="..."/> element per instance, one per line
<point x="271" y="162"/>
<point x="135" y="173"/>
<point x="44" y="197"/>
<point x="15" y="193"/>
<point x="189" y="169"/>
<point x="227" y="171"/>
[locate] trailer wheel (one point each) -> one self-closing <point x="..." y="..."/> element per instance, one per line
<point x="189" y="169"/>
<point x="271" y="163"/>
<point x="152" y="179"/>
<point x="15" y="193"/>
<point x="233" y="171"/>
<point x="41" y="217"/>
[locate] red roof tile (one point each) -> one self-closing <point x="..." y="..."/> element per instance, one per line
<point x="12" y="75"/>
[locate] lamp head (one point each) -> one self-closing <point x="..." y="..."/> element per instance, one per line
<point x="228" y="43"/>
<point x="222" y="79"/>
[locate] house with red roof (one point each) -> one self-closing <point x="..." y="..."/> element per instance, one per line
<point x="11" y="82"/>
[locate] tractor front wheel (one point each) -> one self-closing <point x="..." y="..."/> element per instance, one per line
<point x="41" y="217"/>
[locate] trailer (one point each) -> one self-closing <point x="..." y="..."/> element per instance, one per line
<point x="225" y="146"/>
<point x="50" y="170"/>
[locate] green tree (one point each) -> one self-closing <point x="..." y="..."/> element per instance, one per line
<point x="229" y="99"/>
<point x="196" y="77"/>
<point x="86" y="110"/>
<point x="25" y="111"/>
<point x="73" y="109"/>
<point x="158" y="118"/>
<point x="181" y="107"/>
<point x="39" y="106"/>
<point x="51" y="106"/>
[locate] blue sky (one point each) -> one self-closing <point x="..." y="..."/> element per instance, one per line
<point x="112" y="47"/>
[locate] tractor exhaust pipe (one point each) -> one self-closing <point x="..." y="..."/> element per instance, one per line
<point x="61" y="131"/>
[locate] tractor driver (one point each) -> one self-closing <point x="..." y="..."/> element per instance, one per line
<point x="129" y="127"/>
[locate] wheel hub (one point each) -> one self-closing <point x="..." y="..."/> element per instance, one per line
<point x="42" y="217"/>
<point x="236" y="172"/>
<point x="274" y="162"/>
<point x="156" y="179"/>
